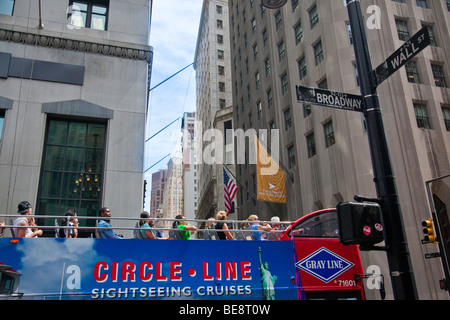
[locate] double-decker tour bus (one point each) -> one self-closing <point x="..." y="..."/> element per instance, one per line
<point x="309" y="264"/>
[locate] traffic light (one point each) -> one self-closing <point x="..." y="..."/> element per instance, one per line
<point x="429" y="231"/>
<point x="360" y="223"/>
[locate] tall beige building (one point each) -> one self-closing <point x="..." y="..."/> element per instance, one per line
<point x="173" y="192"/>
<point x="326" y="150"/>
<point x="214" y="99"/>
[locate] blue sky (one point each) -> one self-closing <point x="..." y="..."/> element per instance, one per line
<point x="173" y="37"/>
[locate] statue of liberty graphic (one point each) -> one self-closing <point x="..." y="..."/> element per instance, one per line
<point x="267" y="280"/>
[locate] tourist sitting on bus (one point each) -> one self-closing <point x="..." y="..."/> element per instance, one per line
<point x="276" y="226"/>
<point x="185" y="229"/>
<point x="2" y="229"/>
<point x="222" y="228"/>
<point x="146" y="231"/>
<point x="257" y="227"/>
<point x="210" y="233"/>
<point x="70" y="220"/>
<point x="24" y="208"/>
<point x="105" y="223"/>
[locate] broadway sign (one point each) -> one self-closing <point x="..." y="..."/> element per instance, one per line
<point x="331" y="99"/>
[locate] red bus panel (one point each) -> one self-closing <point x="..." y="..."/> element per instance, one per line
<point x="325" y="268"/>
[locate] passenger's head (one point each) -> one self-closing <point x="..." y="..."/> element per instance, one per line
<point x="179" y="220"/>
<point x="144" y="216"/>
<point x="104" y="212"/>
<point x="24" y="207"/>
<point x="221" y="215"/>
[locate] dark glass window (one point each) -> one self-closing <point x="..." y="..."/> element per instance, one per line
<point x="89" y="14"/>
<point x="72" y="169"/>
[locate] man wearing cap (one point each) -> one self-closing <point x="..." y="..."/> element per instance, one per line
<point x="24" y="208"/>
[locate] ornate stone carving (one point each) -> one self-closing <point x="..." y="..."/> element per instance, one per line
<point x="76" y="45"/>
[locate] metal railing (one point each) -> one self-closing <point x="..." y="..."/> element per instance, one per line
<point x="57" y="226"/>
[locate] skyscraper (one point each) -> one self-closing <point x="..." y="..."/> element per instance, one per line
<point x="214" y="100"/>
<point x="159" y="180"/>
<point x="325" y="150"/>
<point x="73" y="103"/>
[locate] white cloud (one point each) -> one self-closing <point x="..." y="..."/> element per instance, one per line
<point x="41" y="262"/>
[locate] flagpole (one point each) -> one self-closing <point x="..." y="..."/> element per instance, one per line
<point x="243" y="187"/>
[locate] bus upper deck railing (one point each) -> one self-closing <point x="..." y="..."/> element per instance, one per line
<point x="58" y="218"/>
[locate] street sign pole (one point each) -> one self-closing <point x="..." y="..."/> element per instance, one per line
<point x="402" y="278"/>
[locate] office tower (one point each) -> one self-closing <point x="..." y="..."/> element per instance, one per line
<point x="324" y="150"/>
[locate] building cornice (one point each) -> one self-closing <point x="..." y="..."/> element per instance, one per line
<point x="59" y="42"/>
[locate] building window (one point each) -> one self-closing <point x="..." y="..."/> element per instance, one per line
<point x="412" y="72"/>
<point x="253" y="25"/>
<point x="313" y="16"/>
<point x="259" y="109"/>
<point x="318" y="53"/>
<point x="433" y="40"/>
<point x="356" y="73"/>
<point x="265" y="38"/>
<point x="329" y="134"/>
<point x="291" y="156"/>
<point x="287" y="119"/>
<point x="281" y="51"/>
<point x="89" y="14"/>
<point x="446" y="113"/>
<point x="311" y="144"/>
<point x="269" y="99"/>
<point x="438" y="74"/>
<point x="323" y="84"/>
<point x="298" y="31"/>
<point x="422" y="3"/>
<point x="278" y="20"/>
<point x="267" y="66"/>
<point x="72" y="169"/>
<point x="306" y="110"/>
<point x="284" y="84"/>
<point x="349" y="34"/>
<point x="302" y="68"/>
<point x="255" y="51"/>
<point x="402" y="29"/>
<point x="7" y="7"/>
<point x="421" y="116"/>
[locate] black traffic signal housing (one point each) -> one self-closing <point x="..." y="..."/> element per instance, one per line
<point x="360" y="223"/>
<point x="428" y="229"/>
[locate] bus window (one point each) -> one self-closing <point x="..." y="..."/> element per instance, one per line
<point x="324" y="225"/>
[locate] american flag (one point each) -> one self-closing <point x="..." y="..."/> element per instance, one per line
<point x="230" y="191"/>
